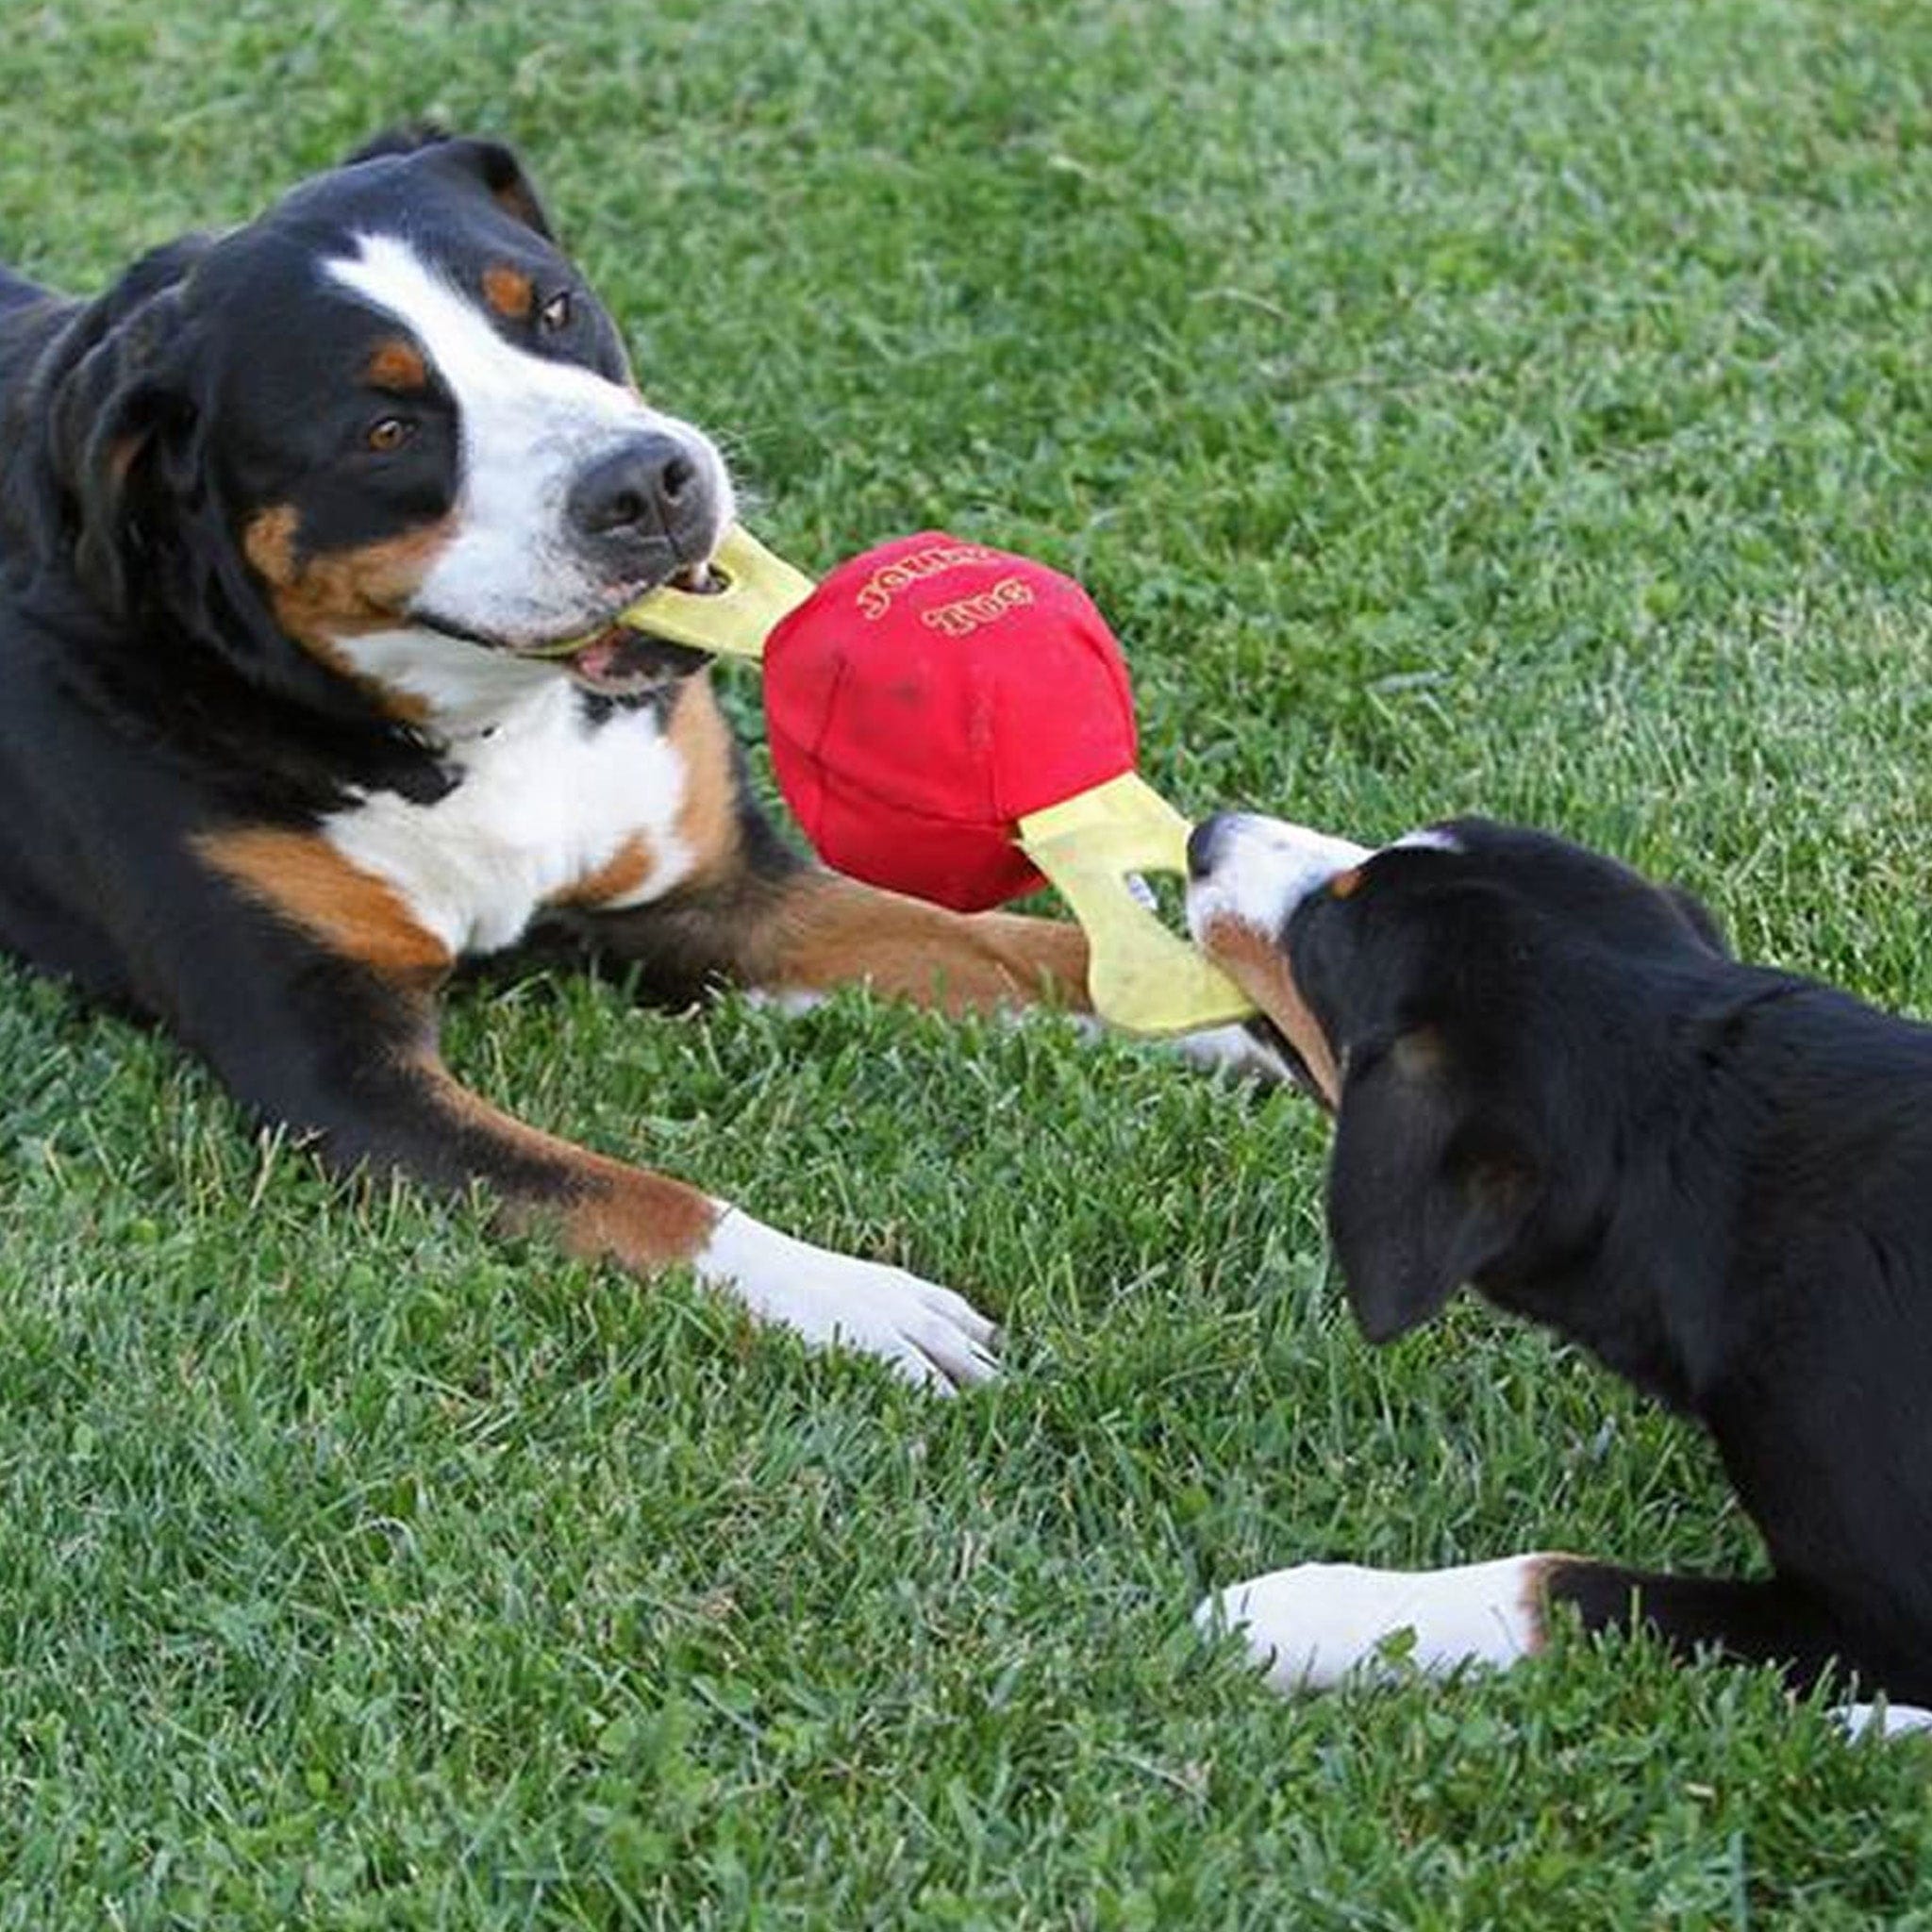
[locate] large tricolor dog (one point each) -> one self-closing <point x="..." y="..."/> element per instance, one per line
<point x="292" y="523"/>
<point x="1552" y="1081"/>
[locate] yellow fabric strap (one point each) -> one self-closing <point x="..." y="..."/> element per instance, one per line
<point x="1139" y="977"/>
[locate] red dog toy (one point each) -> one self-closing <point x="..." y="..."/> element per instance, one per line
<point x="927" y="697"/>
<point x="956" y="722"/>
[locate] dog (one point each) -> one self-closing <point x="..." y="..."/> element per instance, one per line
<point x="1551" y="1080"/>
<point x="290" y="522"/>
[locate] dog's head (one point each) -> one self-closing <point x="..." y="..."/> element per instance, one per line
<point x="1479" y="1005"/>
<point x="387" y="421"/>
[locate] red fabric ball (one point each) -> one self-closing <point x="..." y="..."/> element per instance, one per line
<point x="929" y="694"/>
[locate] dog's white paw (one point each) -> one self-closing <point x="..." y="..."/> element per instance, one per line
<point x="1317" y="1623"/>
<point x="1232" y="1050"/>
<point x="928" y="1334"/>
<point x="1881" y="1720"/>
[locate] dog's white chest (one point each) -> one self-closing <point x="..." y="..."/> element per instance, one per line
<point x="546" y="799"/>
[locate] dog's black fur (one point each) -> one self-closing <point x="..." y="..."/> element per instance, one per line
<point x="198" y="506"/>
<point x="1557" y="1086"/>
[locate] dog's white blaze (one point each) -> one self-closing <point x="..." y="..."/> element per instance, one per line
<point x="1316" y="1623"/>
<point x="545" y="798"/>
<point x="1263" y="869"/>
<point x="530" y="426"/>
<point x="928" y="1334"/>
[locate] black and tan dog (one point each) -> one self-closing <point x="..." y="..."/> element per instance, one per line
<point x="285" y="517"/>
<point x="1551" y="1080"/>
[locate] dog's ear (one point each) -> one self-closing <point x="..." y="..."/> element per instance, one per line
<point x="405" y="138"/>
<point x="491" y="164"/>
<point x="1423" y="1192"/>
<point x="121" y="397"/>
<point x="502" y="176"/>
<point x="139" y="515"/>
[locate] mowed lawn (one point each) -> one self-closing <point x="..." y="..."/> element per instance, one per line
<point x="1515" y="407"/>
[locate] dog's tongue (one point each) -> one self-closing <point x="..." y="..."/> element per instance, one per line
<point x="596" y="664"/>
<point x="618" y="661"/>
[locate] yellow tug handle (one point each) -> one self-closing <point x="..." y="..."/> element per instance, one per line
<point x="1139" y="977"/>
<point x="758" y="591"/>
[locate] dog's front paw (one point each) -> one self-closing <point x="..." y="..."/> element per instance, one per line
<point x="1881" y="1720"/>
<point x="1317" y="1623"/>
<point x="1243" y="1049"/>
<point x="928" y="1334"/>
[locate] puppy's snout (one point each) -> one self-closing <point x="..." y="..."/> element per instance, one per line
<point x="1204" y="843"/>
<point x="643" y="493"/>
<point x="1255" y="871"/>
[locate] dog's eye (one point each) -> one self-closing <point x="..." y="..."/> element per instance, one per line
<point x="555" y="314"/>
<point x="389" y="433"/>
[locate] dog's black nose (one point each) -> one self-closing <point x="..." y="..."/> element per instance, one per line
<point x="1201" y="843"/>
<point x="647" y="487"/>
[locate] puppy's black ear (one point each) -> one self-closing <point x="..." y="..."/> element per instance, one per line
<point x="122" y="393"/>
<point x="406" y="138"/>
<point x="1699" y="918"/>
<point x="1422" y="1193"/>
<point x="502" y="175"/>
<point x="489" y="164"/>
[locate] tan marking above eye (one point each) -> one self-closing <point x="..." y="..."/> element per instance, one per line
<point x="1343" y="883"/>
<point x="509" y="292"/>
<point x="395" y="364"/>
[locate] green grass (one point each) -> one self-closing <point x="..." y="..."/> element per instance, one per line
<point x="1514" y="407"/>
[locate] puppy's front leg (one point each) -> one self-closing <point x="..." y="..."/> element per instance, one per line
<point x="1317" y="1624"/>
